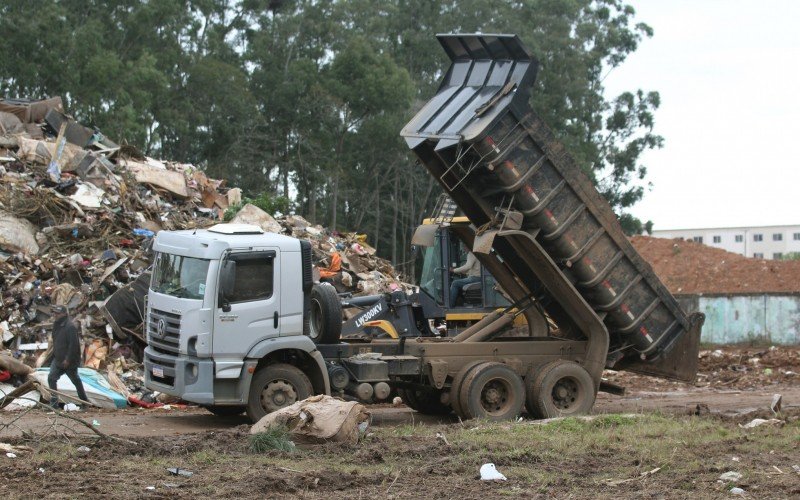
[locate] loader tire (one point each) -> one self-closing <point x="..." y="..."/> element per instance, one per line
<point x="425" y="402"/>
<point x="560" y="389"/>
<point x="274" y="387"/>
<point x="325" y="316"/>
<point x="492" y="391"/>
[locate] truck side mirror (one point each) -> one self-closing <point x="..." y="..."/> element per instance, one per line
<point x="227" y="278"/>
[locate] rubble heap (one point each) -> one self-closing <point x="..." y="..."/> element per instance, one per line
<point x="77" y="216"/>
<point x="687" y="267"/>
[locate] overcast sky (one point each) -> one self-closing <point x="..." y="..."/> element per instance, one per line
<point x="728" y="72"/>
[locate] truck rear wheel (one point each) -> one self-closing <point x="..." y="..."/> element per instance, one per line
<point x="561" y="388"/>
<point x="325" y="322"/>
<point x="425" y="402"/>
<point x="455" y="388"/>
<point x="492" y="391"/>
<point x="274" y="387"/>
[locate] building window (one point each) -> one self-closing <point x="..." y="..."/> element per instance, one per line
<point x="758" y="255"/>
<point x="697" y="239"/>
<point x="777" y="255"/>
<point x="739" y="238"/>
<point x="777" y="236"/>
<point x="796" y="236"/>
<point x="758" y="237"/>
<point x="717" y="239"/>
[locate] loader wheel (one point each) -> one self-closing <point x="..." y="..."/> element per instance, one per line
<point x="425" y="402"/>
<point x="492" y="391"/>
<point x="225" y="411"/>
<point x="325" y="322"/>
<point x="274" y="387"/>
<point x="561" y="388"/>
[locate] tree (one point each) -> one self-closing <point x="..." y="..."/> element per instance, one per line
<point x="304" y="100"/>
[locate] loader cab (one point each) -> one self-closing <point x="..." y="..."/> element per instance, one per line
<point x="434" y="260"/>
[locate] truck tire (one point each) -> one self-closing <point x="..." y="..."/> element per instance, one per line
<point x="425" y="402"/>
<point x="225" y="411"/>
<point x="492" y="391"/>
<point x="274" y="387"/>
<point x="325" y="316"/>
<point x="455" y="388"/>
<point x="561" y="388"/>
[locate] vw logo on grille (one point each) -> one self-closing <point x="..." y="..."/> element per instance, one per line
<point x="161" y="328"/>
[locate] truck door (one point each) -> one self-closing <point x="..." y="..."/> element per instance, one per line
<point x="248" y="304"/>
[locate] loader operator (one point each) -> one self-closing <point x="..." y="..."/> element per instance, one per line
<point x="472" y="269"/>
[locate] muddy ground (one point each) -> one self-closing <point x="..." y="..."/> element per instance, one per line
<point x="690" y="433"/>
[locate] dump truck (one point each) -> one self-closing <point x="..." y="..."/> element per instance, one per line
<point x="235" y="322"/>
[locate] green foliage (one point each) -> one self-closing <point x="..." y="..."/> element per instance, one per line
<point x="791" y="256"/>
<point x="304" y="99"/>
<point x="272" y="204"/>
<point x="274" y="438"/>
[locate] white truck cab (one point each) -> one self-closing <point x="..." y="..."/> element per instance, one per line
<point x="226" y="305"/>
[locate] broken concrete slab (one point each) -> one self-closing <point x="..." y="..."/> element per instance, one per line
<point x="17" y="235"/>
<point x="319" y="419"/>
<point x="169" y="180"/>
<point x="251" y="214"/>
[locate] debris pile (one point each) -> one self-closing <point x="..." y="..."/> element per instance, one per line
<point x="78" y="213"/>
<point x="687" y="267"/>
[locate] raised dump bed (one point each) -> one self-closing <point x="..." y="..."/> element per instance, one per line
<point x="503" y="167"/>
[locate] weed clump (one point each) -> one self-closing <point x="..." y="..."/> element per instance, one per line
<point x="275" y="438"/>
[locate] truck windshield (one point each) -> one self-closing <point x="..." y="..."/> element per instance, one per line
<point x="179" y="276"/>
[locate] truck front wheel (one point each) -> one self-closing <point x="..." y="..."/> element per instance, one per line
<point x="274" y="387"/>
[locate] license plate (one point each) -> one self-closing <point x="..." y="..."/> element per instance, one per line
<point x="158" y="371"/>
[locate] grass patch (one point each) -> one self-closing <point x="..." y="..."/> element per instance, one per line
<point x="274" y="438"/>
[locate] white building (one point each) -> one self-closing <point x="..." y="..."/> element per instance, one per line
<point x="761" y="242"/>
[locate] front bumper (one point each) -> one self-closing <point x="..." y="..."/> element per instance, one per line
<point x="189" y="378"/>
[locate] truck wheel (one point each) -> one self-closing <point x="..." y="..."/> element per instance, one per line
<point x="325" y="322"/>
<point x="561" y="388"/>
<point x="455" y="388"/>
<point x="425" y="402"/>
<point x="492" y="391"/>
<point x="225" y="411"/>
<point x="274" y="387"/>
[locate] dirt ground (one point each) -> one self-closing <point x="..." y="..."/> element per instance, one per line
<point x="691" y="433"/>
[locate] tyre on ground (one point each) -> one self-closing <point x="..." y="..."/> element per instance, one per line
<point x="491" y="391"/>
<point x="560" y="389"/>
<point x="274" y="387"/>
<point x="427" y="402"/>
<point x="325" y="315"/>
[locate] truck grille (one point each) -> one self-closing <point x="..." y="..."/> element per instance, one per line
<point x="165" y="339"/>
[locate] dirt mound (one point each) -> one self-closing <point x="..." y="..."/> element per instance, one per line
<point x="687" y="267"/>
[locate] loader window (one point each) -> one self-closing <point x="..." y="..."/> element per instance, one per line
<point x="253" y="277"/>
<point x="431" y="277"/>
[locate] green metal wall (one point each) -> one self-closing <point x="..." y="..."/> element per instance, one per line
<point x="734" y="319"/>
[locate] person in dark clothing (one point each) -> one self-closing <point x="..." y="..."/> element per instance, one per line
<point x="66" y="354"/>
